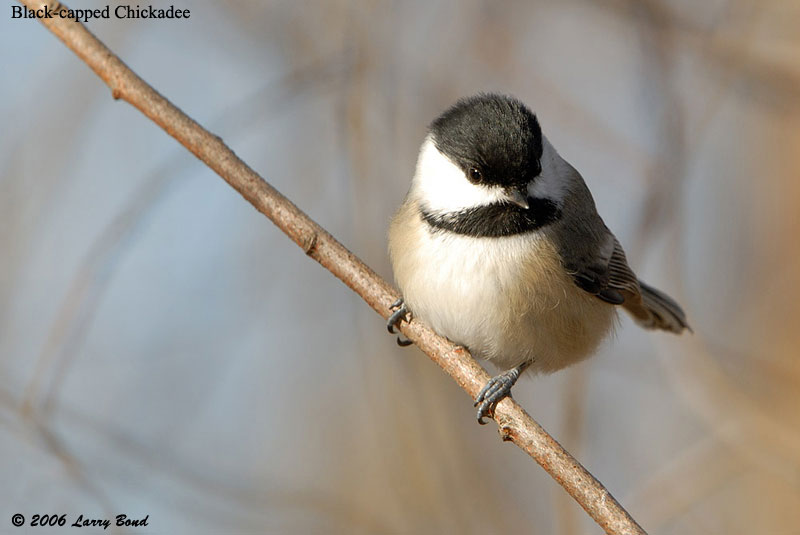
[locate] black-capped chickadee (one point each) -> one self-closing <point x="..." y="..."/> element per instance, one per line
<point x="498" y="246"/>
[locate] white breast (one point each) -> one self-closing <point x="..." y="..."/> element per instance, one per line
<point x="506" y="299"/>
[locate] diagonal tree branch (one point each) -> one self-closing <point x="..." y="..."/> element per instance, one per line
<point x="515" y="424"/>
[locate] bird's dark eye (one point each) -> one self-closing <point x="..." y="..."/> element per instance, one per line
<point x="474" y="175"/>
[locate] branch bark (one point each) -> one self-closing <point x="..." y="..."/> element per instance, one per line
<point x="515" y="425"/>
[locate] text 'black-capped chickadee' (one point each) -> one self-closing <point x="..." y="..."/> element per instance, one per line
<point x="498" y="246"/>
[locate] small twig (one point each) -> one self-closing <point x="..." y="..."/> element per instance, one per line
<point x="515" y="424"/>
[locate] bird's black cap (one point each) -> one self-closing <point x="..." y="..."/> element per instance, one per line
<point x="495" y="135"/>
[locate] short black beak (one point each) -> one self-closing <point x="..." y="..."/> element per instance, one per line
<point x="518" y="197"/>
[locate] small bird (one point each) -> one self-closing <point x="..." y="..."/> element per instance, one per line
<point x="498" y="246"/>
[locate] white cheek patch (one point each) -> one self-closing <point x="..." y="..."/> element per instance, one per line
<point x="552" y="182"/>
<point x="442" y="186"/>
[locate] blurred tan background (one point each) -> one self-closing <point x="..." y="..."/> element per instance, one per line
<point x="164" y="350"/>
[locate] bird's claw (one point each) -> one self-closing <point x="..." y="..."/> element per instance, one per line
<point x="400" y="314"/>
<point x="403" y="342"/>
<point x="496" y="389"/>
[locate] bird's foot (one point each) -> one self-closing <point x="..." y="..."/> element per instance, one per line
<point x="495" y="390"/>
<point x="400" y="313"/>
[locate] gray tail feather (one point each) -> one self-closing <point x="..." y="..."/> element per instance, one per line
<point x="664" y="311"/>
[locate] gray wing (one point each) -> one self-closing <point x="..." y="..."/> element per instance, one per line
<point x="605" y="273"/>
<point x="594" y="258"/>
<point x="610" y="278"/>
